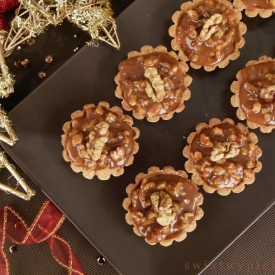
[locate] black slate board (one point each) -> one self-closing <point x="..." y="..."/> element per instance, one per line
<point x="95" y="206"/>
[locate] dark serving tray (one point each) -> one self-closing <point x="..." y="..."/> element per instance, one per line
<point x="94" y="206"/>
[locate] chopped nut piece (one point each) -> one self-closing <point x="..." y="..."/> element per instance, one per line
<point x="118" y="154"/>
<point x="249" y="87"/>
<point x="148" y="186"/>
<point x="187" y="215"/>
<point x="269" y="76"/>
<point x="166" y="219"/>
<point x="256" y="107"/>
<point x="193" y="14"/>
<point x="268" y="93"/>
<point x="151" y="61"/>
<point x="78" y="139"/>
<point x="267" y="108"/>
<point x="110" y="117"/>
<point x="197" y="156"/>
<point x="218" y="170"/>
<point x="205" y="141"/>
<point x="161" y="185"/>
<point x="99" y="110"/>
<point x="217" y="131"/>
<point x="191" y="32"/>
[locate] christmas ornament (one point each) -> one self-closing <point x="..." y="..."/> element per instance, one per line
<point x="92" y="16"/>
<point x="5" y="127"/>
<point x="6" y="78"/>
<point x="33" y="16"/>
<point x="44" y="228"/>
<point x="4" y="163"/>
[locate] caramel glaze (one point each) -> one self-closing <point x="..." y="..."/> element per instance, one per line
<point x="120" y="135"/>
<point x="207" y="52"/>
<point x="258" y="75"/>
<point x="206" y="167"/>
<point x="187" y="201"/>
<point x="132" y="75"/>
<point x="258" y="4"/>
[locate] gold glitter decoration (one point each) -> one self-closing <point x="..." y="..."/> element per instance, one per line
<point x="6" y="78"/>
<point x="5" y="128"/>
<point x="4" y="163"/>
<point x="33" y="16"/>
<point x="97" y="20"/>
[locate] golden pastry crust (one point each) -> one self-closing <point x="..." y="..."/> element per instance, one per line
<point x="236" y="99"/>
<point x="218" y="44"/>
<point x="142" y="96"/>
<point x="163" y="190"/>
<point x="99" y="141"/>
<point x="252" y="11"/>
<point x="225" y="170"/>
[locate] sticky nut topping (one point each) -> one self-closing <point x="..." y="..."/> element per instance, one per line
<point x="259" y="4"/>
<point x="257" y="92"/>
<point x="98" y="138"/>
<point x="163" y="205"/>
<point x="208" y="32"/>
<point x="152" y="84"/>
<point x="230" y="159"/>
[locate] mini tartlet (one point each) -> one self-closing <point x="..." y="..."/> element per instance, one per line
<point x="163" y="205"/>
<point x="152" y="83"/>
<point x="256" y="7"/>
<point x="254" y="94"/>
<point x="222" y="156"/>
<point x="208" y="33"/>
<point x="100" y="141"/>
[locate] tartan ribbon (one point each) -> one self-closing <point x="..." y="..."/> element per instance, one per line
<point x="44" y="227"/>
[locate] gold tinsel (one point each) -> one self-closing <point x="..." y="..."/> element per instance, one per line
<point x="4" y="163"/>
<point x="8" y="136"/>
<point x="33" y="16"/>
<point x="31" y="19"/>
<point x="5" y="128"/>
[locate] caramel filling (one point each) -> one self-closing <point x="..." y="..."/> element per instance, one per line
<point x="163" y="205"/>
<point x="259" y="4"/>
<point x="99" y="139"/>
<point x="257" y="93"/>
<point x="152" y="84"/>
<point x="223" y="155"/>
<point x="208" y="33"/>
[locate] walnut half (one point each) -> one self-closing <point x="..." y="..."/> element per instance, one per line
<point x="224" y="150"/>
<point x="97" y="139"/>
<point x="157" y="83"/>
<point x="211" y="26"/>
<point x="162" y="203"/>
